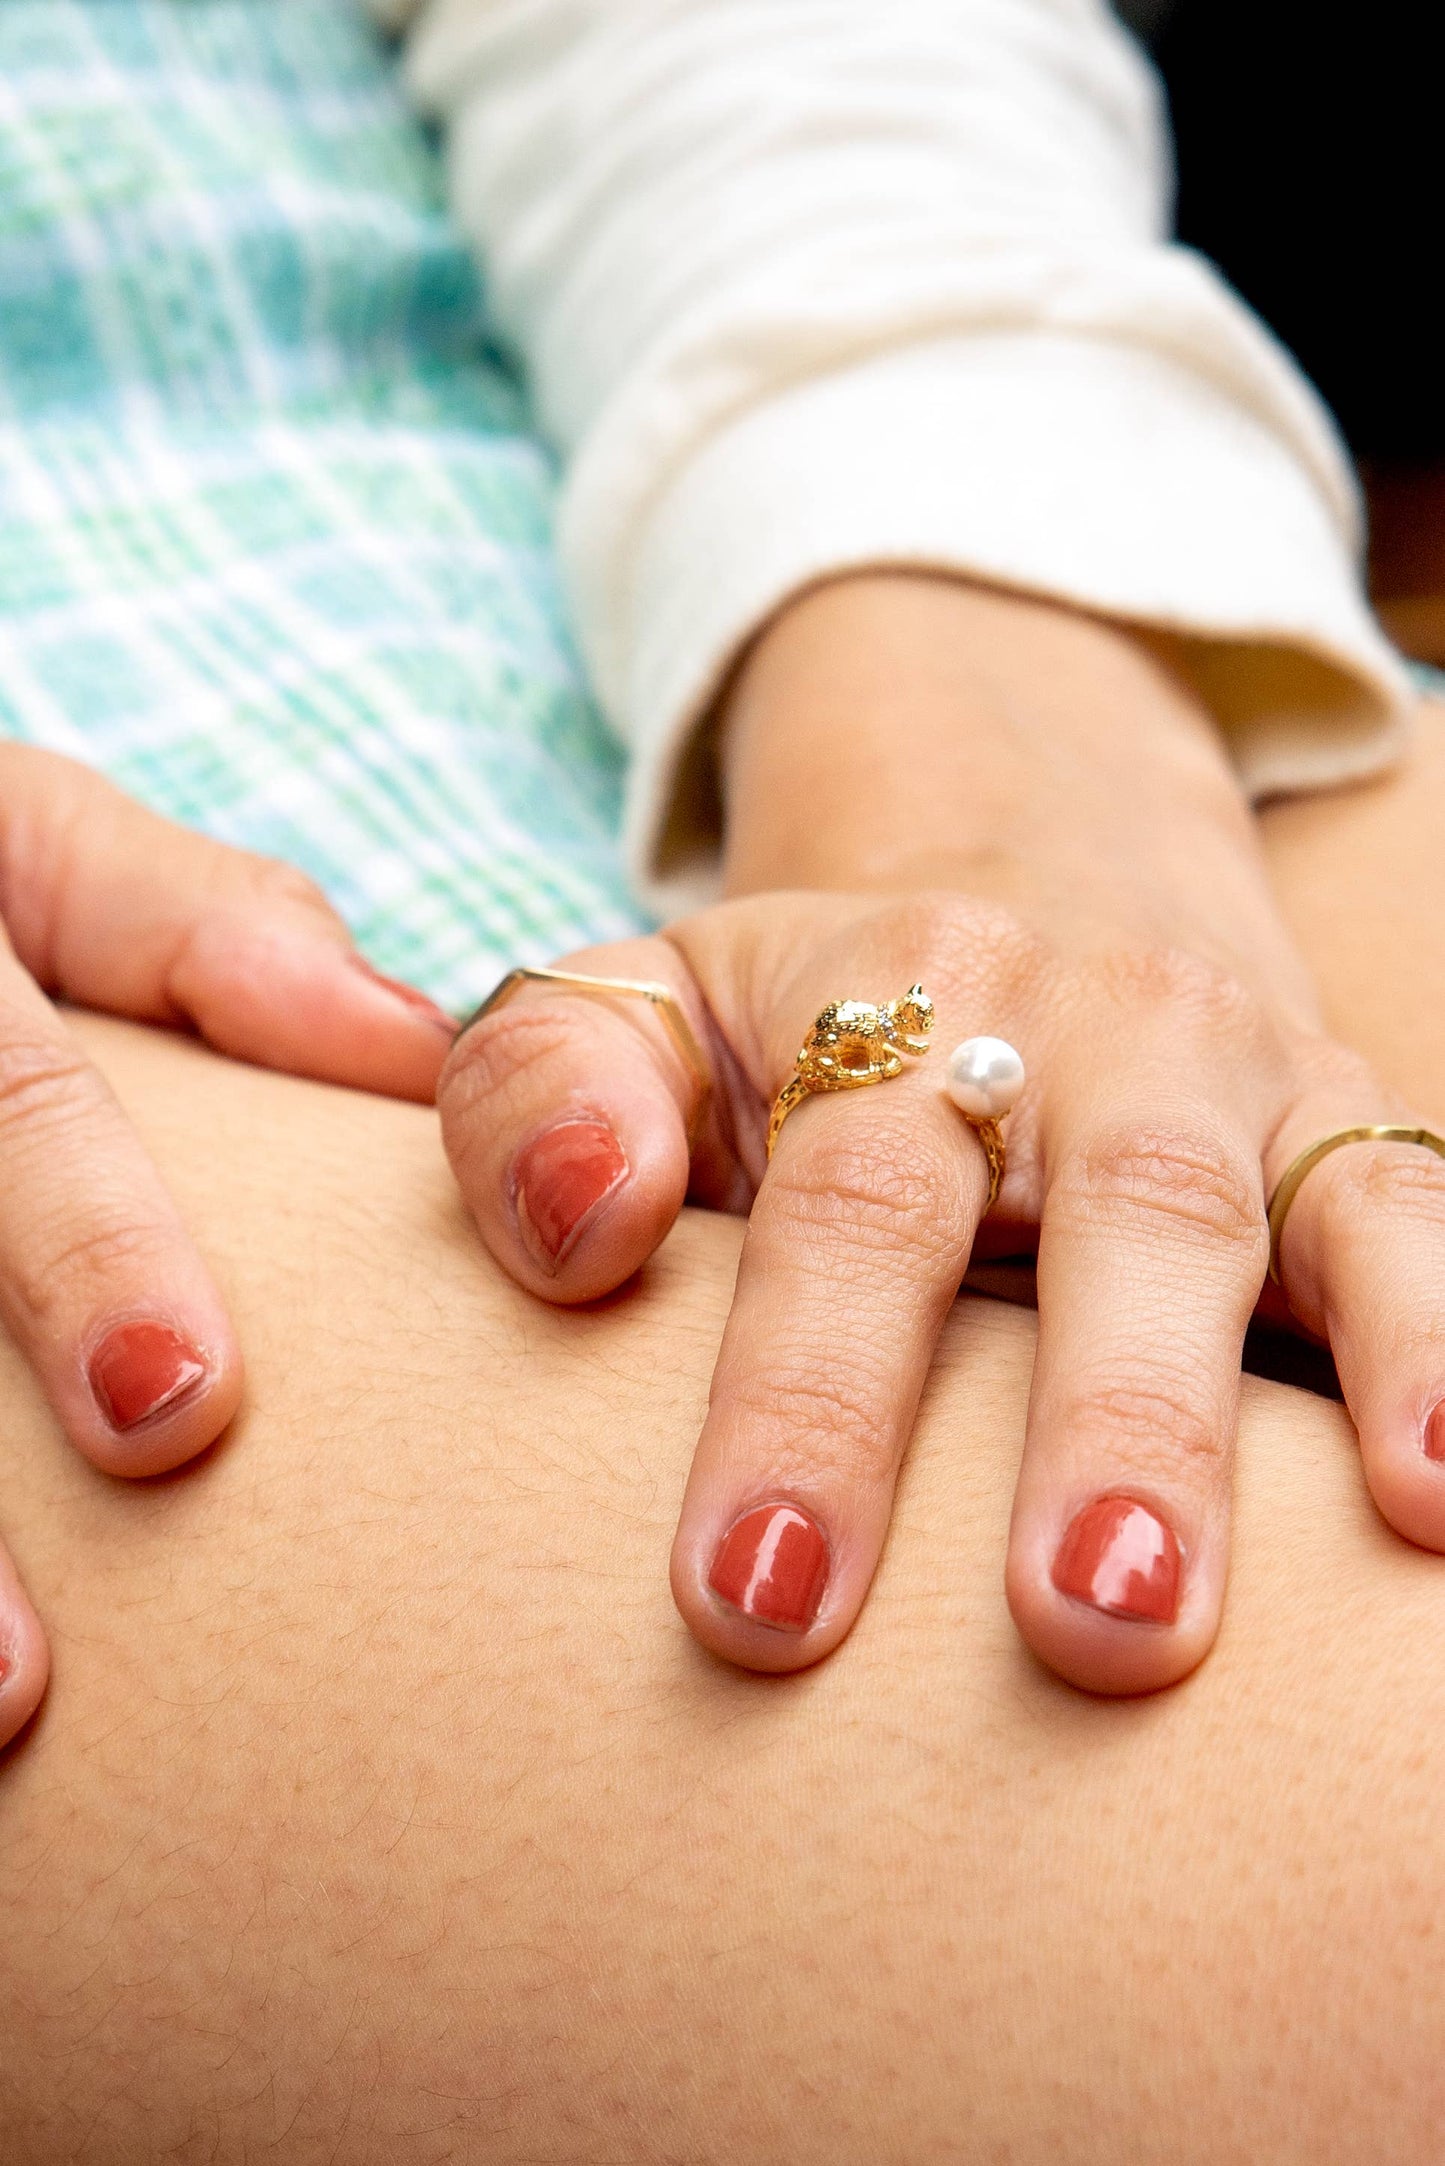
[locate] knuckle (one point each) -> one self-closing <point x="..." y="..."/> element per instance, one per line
<point x="1405" y="1183"/>
<point x="1322" y="1066"/>
<point x="1151" y="1421"/>
<point x="971" y="943"/>
<point x="57" y="1275"/>
<point x="816" y="1423"/>
<point x="272" y="880"/>
<point x="872" y="1195"/>
<point x="1167" y="1182"/>
<point x="1194" y="992"/>
<point x="516" y="1040"/>
<point x="43" y="1077"/>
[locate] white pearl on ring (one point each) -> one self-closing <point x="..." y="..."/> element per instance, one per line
<point x="985" y="1076"/>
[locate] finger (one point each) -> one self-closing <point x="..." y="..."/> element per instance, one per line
<point x="1362" y="1262"/>
<point x="100" y="1285"/>
<point x="24" y="1657"/>
<point x="566" y="1118"/>
<point x="857" y="1242"/>
<point x="112" y="907"/>
<point x="1152" y="1249"/>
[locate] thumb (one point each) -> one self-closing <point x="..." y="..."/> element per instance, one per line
<point x="113" y="907"/>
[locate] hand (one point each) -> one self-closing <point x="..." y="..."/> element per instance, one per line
<point x="110" y="907"/>
<point x="1176" y="1066"/>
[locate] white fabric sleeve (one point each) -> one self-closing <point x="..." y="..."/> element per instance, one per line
<point x="805" y="286"/>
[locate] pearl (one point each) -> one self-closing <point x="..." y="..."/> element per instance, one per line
<point x="985" y="1076"/>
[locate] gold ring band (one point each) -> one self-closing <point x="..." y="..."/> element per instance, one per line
<point x="1295" y="1172"/>
<point x="852" y="1044"/>
<point x="990" y="1135"/>
<point x="661" y="997"/>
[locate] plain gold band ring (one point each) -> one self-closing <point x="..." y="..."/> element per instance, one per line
<point x="1295" y="1172"/>
<point x="661" y="997"/>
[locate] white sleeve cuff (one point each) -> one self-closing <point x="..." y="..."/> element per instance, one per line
<point x="1096" y="473"/>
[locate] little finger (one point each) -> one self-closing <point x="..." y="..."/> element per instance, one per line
<point x="1361" y="1258"/>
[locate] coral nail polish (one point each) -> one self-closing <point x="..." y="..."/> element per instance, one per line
<point x="140" y="1368"/>
<point x="560" y="1177"/>
<point x="1435" y="1433"/>
<point x="409" y="995"/>
<point x="1121" y="1558"/>
<point x="772" y="1564"/>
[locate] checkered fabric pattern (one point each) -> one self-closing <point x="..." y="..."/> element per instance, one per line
<point x="274" y="535"/>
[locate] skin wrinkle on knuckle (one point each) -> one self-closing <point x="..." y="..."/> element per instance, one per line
<point x="812" y="1423"/>
<point x="1164" y="1184"/>
<point x="501" y="1057"/>
<point x="860" y="1196"/>
<point x="1192" y="986"/>
<point x="78" y="1269"/>
<point x="1322" y="1065"/>
<point x="980" y="952"/>
<point x="1198" y="1013"/>
<point x="45" y="1083"/>
<point x="1154" y="1421"/>
<point x="1400" y="1182"/>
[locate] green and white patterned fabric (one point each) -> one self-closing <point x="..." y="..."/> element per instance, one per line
<point x="274" y="535"/>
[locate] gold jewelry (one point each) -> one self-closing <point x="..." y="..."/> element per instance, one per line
<point x="852" y="1044"/>
<point x="660" y="997"/>
<point x="984" y="1079"/>
<point x="1297" y="1168"/>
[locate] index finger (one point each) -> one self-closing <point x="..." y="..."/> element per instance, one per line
<point x="569" y="1115"/>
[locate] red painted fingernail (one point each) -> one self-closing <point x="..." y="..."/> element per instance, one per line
<point x="408" y="995"/>
<point x="772" y="1564"/>
<point x="560" y="1177"/>
<point x="1121" y="1558"/>
<point x="1435" y="1433"/>
<point x="141" y="1368"/>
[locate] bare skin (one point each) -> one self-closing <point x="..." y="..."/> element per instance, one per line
<point x="382" y="1809"/>
<point x="1032" y="814"/>
<point x="104" y="903"/>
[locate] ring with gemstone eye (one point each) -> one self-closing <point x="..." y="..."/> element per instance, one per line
<point x="853" y="1043"/>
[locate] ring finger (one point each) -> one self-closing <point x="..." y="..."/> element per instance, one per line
<point x="1152" y="1250"/>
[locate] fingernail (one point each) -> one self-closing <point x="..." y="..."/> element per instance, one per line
<point x="408" y="995"/>
<point x="1121" y="1558"/>
<point x="559" y="1178"/>
<point x="772" y="1564"/>
<point x="140" y="1368"/>
<point x="1435" y="1433"/>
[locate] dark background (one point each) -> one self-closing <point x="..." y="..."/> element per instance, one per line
<point x="1310" y="170"/>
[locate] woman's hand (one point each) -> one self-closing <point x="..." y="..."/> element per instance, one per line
<point x="1110" y="920"/>
<point x="110" y="907"/>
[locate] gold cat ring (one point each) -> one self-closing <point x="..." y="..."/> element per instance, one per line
<point x="852" y="1044"/>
